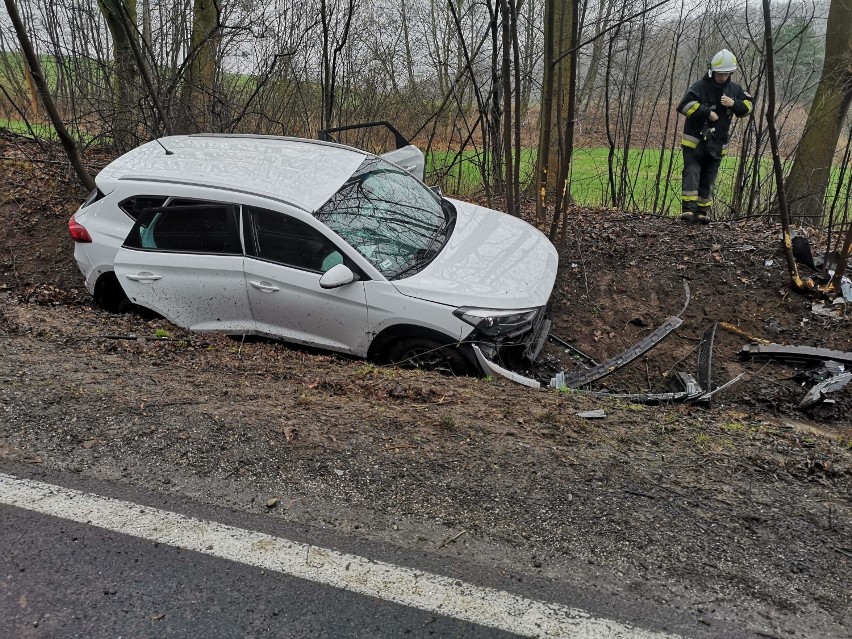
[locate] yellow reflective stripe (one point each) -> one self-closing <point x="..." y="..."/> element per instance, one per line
<point x="689" y="198"/>
<point x="689" y="143"/>
<point x="749" y="105"/>
<point x="705" y="203"/>
<point x="691" y="108"/>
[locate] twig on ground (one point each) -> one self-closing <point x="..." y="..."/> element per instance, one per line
<point x="450" y="540"/>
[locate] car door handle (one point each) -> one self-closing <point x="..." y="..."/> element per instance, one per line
<point x="144" y="277"/>
<point x="263" y="286"/>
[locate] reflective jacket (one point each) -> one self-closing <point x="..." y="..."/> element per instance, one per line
<point x="705" y="96"/>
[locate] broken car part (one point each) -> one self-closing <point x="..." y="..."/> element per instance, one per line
<point x="582" y="378"/>
<point x="705" y="357"/>
<point x="490" y="368"/>
<point x="686" y="383"/>
<point x="706" y="397"/>
<point x="817" y="394"/>
<point x="794" y="354"/>
<point x="824" y="371"/>
<point x="688" y="297"/>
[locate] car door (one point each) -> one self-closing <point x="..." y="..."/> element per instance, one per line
<point x="186" y="263"/>
<point x="285" y="259"/>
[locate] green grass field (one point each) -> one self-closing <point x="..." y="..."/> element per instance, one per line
<point x="590" y="184"/>
<point x="42" y="131"/>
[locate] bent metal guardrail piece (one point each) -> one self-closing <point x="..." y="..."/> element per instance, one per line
<point x="581" y="378"/>
<point x="794" y="353"/>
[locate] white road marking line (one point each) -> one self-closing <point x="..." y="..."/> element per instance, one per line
<point x="430" y="592"/>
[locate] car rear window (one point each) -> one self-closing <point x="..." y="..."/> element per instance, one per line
<point x="93" y="197"/>
<point x="207" y="228"/>
<point x="133" y="206"/>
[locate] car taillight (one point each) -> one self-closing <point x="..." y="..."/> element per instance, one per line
<point x="78" y="231"/>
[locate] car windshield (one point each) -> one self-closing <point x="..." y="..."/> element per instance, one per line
<point x="390" y="218"/>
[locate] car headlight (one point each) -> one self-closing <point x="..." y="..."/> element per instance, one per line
<point x="498" y="323"/>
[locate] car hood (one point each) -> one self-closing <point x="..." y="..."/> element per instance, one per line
<point x="492" y="260"/>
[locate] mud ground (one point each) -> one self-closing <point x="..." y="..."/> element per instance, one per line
<point x="736" y="512"/>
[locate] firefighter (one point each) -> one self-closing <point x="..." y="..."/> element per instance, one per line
<point x="709" y="106"/>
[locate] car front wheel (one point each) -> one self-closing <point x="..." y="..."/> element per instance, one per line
<point x="421" y="352"/>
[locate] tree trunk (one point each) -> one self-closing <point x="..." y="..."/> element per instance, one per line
<point x="545" y="117"/>
<point x="811" y="172"/>
<point x="792" y="267"/>
<point x="198" y="93"/>
<point x="506" y="79"/>
<point x="563" y="187"/>
<point x="562" y="75"/>
<point x="46" y="99"/>
<point x="126" y="70"/>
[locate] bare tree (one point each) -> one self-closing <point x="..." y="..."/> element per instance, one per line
<point x="198" y="95"/>
<point x="808" y="180"/>
<point x="41" y="84"/>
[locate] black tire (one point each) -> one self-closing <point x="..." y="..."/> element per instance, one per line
<point x="425" y="353"/>
<point x="110" y="296"/>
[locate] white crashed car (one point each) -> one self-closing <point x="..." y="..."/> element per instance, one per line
<point x="319" y="244"/>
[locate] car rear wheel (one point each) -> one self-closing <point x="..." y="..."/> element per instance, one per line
<point x="110" y="296"/>
<point x="421" y="352"/>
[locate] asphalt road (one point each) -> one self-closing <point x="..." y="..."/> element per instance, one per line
<point x="66" y="579"/>
<point x="97" y="560"/>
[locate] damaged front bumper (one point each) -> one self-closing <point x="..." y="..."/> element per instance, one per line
<point x="513" y="351"/>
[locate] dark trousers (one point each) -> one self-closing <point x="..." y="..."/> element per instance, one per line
<point x="699" y="175"/>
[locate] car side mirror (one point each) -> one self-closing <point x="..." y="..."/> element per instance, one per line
<point x="337" y="276"/>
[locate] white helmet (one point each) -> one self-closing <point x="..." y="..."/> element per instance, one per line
<point x="723" y="62"/>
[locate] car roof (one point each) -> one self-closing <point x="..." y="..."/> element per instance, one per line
<point x="302" y="172"/>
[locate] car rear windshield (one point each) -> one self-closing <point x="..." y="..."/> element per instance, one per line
<point x="390" y="218"/>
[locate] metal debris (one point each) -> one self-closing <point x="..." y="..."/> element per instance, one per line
<point x="644" y="398"/>
<point x="846" y="290"/>
<point x="706" y="397"/>
<point x="688" y="297"/>
<point x="582" y="378"/>
<point x="686" y="383"/>
<point x="794" y="354"/>
<point x="820" y="373"/>
<point x="817" y="394"/>
<point x="823" y="310"/>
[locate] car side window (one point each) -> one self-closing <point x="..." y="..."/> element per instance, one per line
<point x="204" y="228"/>
<point x="279" y="238"/>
